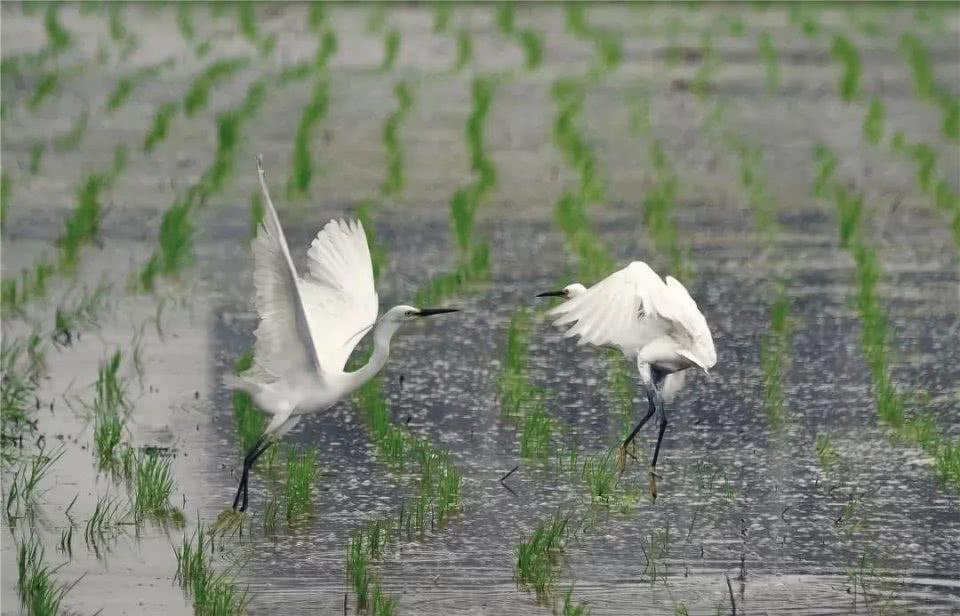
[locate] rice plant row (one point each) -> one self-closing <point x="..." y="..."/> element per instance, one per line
<point x="927" y="87"/>
<point x="528" y="38"/>
<point x="608" y="45"/>
<point x="914" y="427"/>
<point x="301" y="175"/>
<point x="213" y="593"/>
<point x="473" y="260"/>
<point x="395" y="181"/>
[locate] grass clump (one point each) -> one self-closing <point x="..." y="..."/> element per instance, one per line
<point x="213" y="594"/>
<point x="47" y="86"/>
<point x="328" y="47"/>
<point x="464" y="50"/>
<point x="775" y="353"/>
<point x="391" y="140"/>
<point x="160" y="125"/>
<point x="873" y="123"/>
<point x="538" y="558"/>
<point x="40" y="593"/>
<point x="608" y="45"/>
<point x="921" y="65"/>
<point x="198" y="94"/>
<point x="600" y="474"/>
<point x="846" y="53"/>
<point x="23" y="489"/>
<point x="827" y="454"/>
<point x="301" y="472"/>
<point x="826" y="162"/>
<point x="391" y="47"/>
<point x="128" y="83"/>
<point x="153" y="486"/>
<point x="316" y="109"/>
<point x="58" y="38"/>
<point x="513" y="385"/>
<point x="175" y="240"/>
<point x="84" y="222"/>
<point x="536" y="433"/>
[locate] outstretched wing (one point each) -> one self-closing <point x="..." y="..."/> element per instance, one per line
<point x="338" y="291"/>
<point x="619" y="311"/>
<point x="284" y="341"/>
<point x="683" y="311"/>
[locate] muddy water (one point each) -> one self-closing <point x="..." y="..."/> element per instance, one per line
<point x="737" y="500"/>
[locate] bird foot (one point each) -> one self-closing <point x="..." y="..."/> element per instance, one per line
<point x="653" y="483"/>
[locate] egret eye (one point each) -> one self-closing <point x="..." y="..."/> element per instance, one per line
<point x="410" y="313"/>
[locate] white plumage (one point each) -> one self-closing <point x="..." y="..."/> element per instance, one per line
<point x="654" y="322"/>
<point x="310" y="325"/>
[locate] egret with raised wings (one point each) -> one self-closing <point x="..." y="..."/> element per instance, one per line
<point x="309" y="325"/>
<point x="655" y="323"/>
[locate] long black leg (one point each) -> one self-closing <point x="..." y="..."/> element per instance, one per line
<point x="256" y="455"/>
<point x="646" y="418"/>
<point x="247" y="465"/>
<point x="663" y="428"/>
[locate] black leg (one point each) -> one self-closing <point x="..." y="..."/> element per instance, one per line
<point x="248" y="461"/>
<point x="646" y="418"/>
<point x="259" y="452"/>
<point x="663" y="428"/>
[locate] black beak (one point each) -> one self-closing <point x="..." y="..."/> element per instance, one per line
<point x="429" y="312"/>
<point x="552" y="294"/>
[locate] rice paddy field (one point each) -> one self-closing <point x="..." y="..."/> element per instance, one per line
<point x="796" y="166"/>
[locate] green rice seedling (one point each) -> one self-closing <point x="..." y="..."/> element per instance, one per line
<point x="621" y="391"/>
<point x="538" y="557"/>
<point x="176" y="238"/>
<point x="107" y="517"/>
<point x="47" y="86"/>
<point x="247" y="21"/>
<point x="921" y="65"/>
<point x="65" y="546"/>
<point x="572" y="607"/>
<point x="536" y="433"/>
<point x="267" y="45"/>
<point x="391" y="141"/>
<point x="827" y="454"/>
<point x="23" y="489"/>
<point x="464" y="50"/>
<point x="316" y="109"/>
<point x="506" y="18"/>
<point x="84" y="223"/>
<point x="806" y="19"/>
<point x="316" y="16"/>
<point x="391" y="47"/>
<point x="513" y="385"/>
<point x="926" y="159"/>
<point x="441" y="16"/>
<point x="301" y="472"/>
<point x="198" y="94"/>
<point x="775" y="353"/>
<point x="107" y="436"/>
<point x="203" y="48"/>
<point x="40" y="593"/>
<point x="576" y="21"/>
<point x="600" y="473"/>
<point x="358" y="570"/>
<point x="532" y="48"/>
<point x="249" y="421"/>
<point x="951" y="115"/>
<point x="214" y="594"/>
<point x="826" y="162"/>
<point x="58" y="38"/>
<point x="462" y="208"/>
<point x="128" y="83"/>
<point x="228" y="135"/>
<point x="153" y="486"/>
<point x="185" y="21"/>
<point x="845" y="52"/>
<point x="160" y="125"/>
<point x="873" y="123"/>
<point x="119" y="33"/>
<point x="328" y="47"/>
<point x="658" y="217"/>
<point x="849" y="208"/>
<point x="771" y="60"/>
<point x="71" y="139"/>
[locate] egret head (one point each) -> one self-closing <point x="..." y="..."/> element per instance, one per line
<point x="403" y="313"/>
<point x="571" y="290"/>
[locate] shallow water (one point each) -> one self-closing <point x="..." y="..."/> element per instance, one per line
<point x="737" y="499"/>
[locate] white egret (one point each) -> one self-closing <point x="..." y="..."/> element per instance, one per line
<point x="655" y="323"/>
<point x="309" y="326"/>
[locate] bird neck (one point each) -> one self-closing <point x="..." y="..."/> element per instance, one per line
<point x="382" y="335"/>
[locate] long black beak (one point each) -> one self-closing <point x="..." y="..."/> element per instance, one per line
<point x="552" y="294"/>
<point x="429" y="312"/>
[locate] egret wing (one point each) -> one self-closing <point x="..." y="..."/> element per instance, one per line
<point x="339" y="292"/>
<point x="683" y="311"/>
<point x="619" y="311"/>
<point x="284" y="342"/>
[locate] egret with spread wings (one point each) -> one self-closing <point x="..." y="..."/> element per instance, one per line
<point x="309" y="325"/>
<point x="654" y="322"/>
